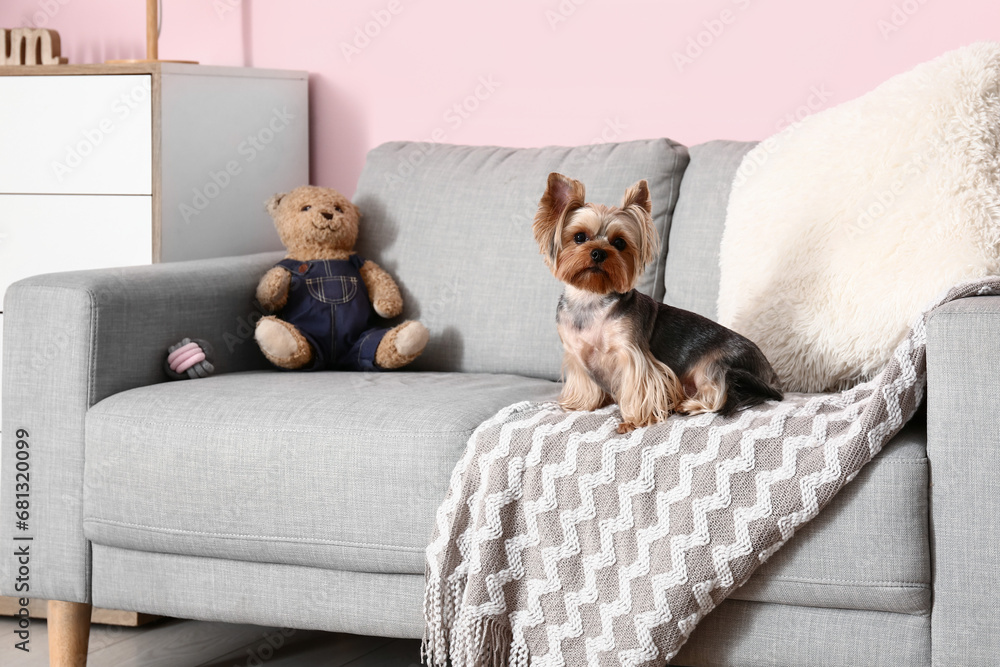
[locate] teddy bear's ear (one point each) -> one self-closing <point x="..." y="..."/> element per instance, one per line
<point x="272" y="204"/>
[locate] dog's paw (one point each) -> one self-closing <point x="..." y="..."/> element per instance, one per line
<point x="626" y="427"/>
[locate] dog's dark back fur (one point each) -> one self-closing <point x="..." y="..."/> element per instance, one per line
<point x="680" y="338"/>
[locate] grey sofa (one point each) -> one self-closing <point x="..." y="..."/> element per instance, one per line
<point x="306" y="499"/>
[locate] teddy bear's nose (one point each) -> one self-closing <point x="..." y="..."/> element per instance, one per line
<point x="328" y="216"/>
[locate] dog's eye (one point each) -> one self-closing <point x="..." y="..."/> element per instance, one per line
<point x="619" y="244"/>
<point x="306" y="208"/>
<point x="580" y="237"/>
<point x="338" y="209"/>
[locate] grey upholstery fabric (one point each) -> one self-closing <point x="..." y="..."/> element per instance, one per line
<point x="736" y="634"/>
<point x="452" y="224"/>
<point x="869" y="548"/>
<point x="749" y="634"/>
<point x="71" y="339"/>
<point x="330" y="470"/>
<point x="292" y="596"/>
<point x="256" y="466"/>
<point x="963" y="445"/>
<point x="692" y="268"/>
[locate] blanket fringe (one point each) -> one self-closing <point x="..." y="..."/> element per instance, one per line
<point x="456" y="639"/>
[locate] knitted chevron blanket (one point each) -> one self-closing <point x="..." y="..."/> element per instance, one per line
<point x="561" y="542"/>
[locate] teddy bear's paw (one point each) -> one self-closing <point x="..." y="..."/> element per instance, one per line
<point x="388" y="308"/>
<point x="412" y="339"/>
<point x="272" y="291"/>
<point x="282" y="344"/>
<point x="401" y="345"/>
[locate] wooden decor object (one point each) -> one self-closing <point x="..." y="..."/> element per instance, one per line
<point x="30" y="46"/>
<point x="152" y="40"/>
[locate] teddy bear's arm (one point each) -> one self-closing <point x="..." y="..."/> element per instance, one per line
<point x="272" y="290"/>
<point x="382" y="290"/>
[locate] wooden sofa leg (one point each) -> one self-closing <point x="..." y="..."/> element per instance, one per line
<point x="69" y="633"/>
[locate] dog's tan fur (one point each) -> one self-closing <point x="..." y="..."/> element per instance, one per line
<point x="709" y="388"/>
<point x="602" y="360"/>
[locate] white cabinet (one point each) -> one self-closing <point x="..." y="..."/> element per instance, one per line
<point x="106" y="165"/>
<point x="43" y="233"/>
<point x="76" y="134"/>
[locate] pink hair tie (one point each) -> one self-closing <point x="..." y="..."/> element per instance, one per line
<point x="180" y="351"/>
<point x="186" y="357"/>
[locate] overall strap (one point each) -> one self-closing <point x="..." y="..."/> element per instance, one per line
<point x="291" y="264"/>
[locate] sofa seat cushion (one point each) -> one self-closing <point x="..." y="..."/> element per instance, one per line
<point x="334" y="470"/>
<point x="345" y="471"/>
<point x="870" y="546"/>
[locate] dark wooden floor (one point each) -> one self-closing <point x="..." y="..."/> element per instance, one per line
<point x="180" y="643"/>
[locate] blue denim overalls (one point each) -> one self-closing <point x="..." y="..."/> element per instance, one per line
<point x="328" y="302"/>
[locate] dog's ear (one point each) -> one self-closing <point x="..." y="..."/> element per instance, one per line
<point x="272" y="204"/>
<point x="638" y="195"/>
<point x="638" y="204"/>
<point x="562" y="196"/>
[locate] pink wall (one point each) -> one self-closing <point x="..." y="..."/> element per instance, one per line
<point x="558" y="71"/>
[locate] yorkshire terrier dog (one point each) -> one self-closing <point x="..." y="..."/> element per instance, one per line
<point x="621" y="345"/>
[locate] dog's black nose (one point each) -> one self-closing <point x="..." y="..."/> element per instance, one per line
<point x="598" y="255"/>
<point x="328" y="216"/>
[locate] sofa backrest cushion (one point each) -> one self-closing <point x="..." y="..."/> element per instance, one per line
<point x="452" y="224"/>
<point x="692" y="269"/>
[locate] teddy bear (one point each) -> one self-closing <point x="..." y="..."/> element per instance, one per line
<point x="322" y="295"/>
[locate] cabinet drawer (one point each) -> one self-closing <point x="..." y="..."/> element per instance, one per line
<point x="76" y="134"/>
<point x="50" y="233"/>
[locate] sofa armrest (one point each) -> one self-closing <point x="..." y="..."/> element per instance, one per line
<point x="963" y="445"/>
<point x="73" y="339"/>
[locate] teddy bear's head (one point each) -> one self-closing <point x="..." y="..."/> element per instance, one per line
<point x="313" y="221"/>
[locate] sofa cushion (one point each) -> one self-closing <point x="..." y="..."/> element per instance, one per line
<point x="453" y="225"/>
<point x="345" y="471"/>
<point x="869" y="548"/>
<point x="692" y="269"/>
<point x="335" y="470"/>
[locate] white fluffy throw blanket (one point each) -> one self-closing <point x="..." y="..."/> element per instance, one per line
<point x="561" y="542"/>
<point x="842" y="227"/>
